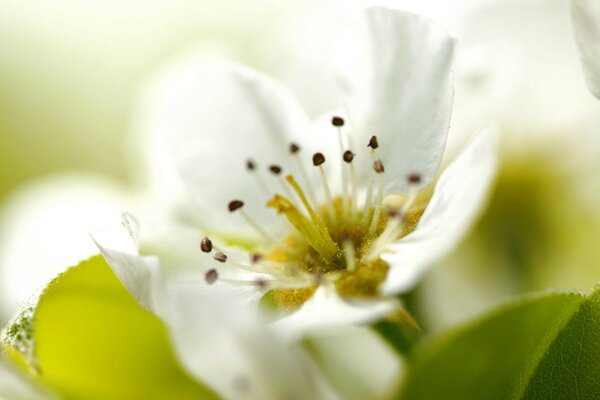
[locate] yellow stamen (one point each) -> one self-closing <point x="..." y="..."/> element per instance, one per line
<point x="324" y="245"/>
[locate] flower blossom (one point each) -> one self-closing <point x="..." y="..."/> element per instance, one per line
<point x="325" y="223"/>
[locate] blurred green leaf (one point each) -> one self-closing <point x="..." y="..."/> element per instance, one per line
<point x="93" y="341"/>
<point x="544" y="347"/>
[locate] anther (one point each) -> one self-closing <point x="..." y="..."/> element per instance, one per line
<point x="262" y="283"/>
<point x="220" y="257"/>
<point x="294" y="148"/>
<point x="206" y="245"/>
<point x="337" y="121"/>
<point x="235" y="205"/>
<point x="250" y="165"/>
<point x="255" y="258"/>
<point x="211" y="276"/>
<point x="378" y="166"/>
<point x="348" y="156"/>
<point x="414" y="178"/>
<point x="373" y="143"/>
<point x="276" y="169"/>
<point x="318" y="159"/>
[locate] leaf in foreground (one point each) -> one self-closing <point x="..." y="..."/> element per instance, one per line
<point x="92" y="340"/>
<point x="543" y="347"/>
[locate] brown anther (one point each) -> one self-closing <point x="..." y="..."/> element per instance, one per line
<point x="235" y="205"/>
<point x="348" y="156"/>
<point x="373" y="143"/>
<point x="294" y="148"/>
<point x="393" y="213"/>
<point x="255" y="258"/>
<point x="318" y="159"/>
<point x="220" y="257"/>
<point x="250" y="165"/>
<point x="276" y="169"/>
<point x="337" y="121"/>
<point x="378" y="166"/>
<point x="262" y="283"/>
<point x="414" y="178"/>
<point x="211" y="276"/>
<point x="206" y="245"/>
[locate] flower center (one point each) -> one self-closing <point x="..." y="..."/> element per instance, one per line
<point x="337" y="241"/>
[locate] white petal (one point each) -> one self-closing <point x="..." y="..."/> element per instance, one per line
<point x="327" y="309"/>
<point x="13" y="386"/>
<point x="456" y="201"/>
<point x="142" y="276"/>
<point x="396" y="78"/>
<point x="357" y="361"/>
<point x="586" y="25"/>
<point x="214" y="118"/>
<point x="53" y="216"/>
<point x="221" y="344"/>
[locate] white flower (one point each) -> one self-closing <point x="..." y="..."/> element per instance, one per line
<point x="349" y="220"/>
<point x="225" y="345"/>
<point x="586" y="25"/>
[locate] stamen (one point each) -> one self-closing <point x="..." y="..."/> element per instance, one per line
<point x="348" y="157"/>
<point x="311" y="212"/>
<point x="379" y="169"/>
<point x="211" y="276"/>
<point x="277" y="170"/>
<point x="318" y="160"/>
<point x="206" y="245"/>
<point x="220" y="257"/>
<point x="349" y="254"/>
<point x="325" y="246"/>
<point x="393" y="229"/>
<point x="295" y="151"/>
<point x="235" y="205"/>
<point x="338" y="122"/>
<point x="373" y="144"/>
<point x="412" y="179"/>
<point x="251" y="167"/>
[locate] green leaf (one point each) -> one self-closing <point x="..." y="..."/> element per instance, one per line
<point x="93" y="341"/>
<point x="543" y="347"/>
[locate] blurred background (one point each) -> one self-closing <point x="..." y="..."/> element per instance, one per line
<point x="70" y="156"/>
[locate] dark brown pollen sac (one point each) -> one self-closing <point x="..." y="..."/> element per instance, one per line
<point x="262" y="283"/>
<point x="348" y="156"/>
<point x="276" y="169"/>
<point x="378" y="166"/>
<point x="206" y="245"/>
<point x="318" y="159"/>
<point x="220" y="257"/>
<point x="373" y="143"/>
<point x="250" y="165"/>
<point x="294" y="148"/>
<point x="337" y="121"/>
<point x="414" y="178"/>
<point x="255" y="258"/>
<point x="235" y="205"/>
<point x="211" y="276"/>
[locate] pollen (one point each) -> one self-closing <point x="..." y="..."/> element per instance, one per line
<point x="331" y="239"/>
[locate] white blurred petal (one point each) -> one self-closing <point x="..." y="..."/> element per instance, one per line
<point x="586" y="25"/>
<point x="13" y="386"/>
<point x="326" y="309"/>
<point x="44" y="228"/>
<point x="213" y="118"/>
<point x="220" y="344"/>
<point x="458" y="197"/>
<point x="526" y="67"/>
<point x="357" y="361"/>
<point x="396" y="79"/>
